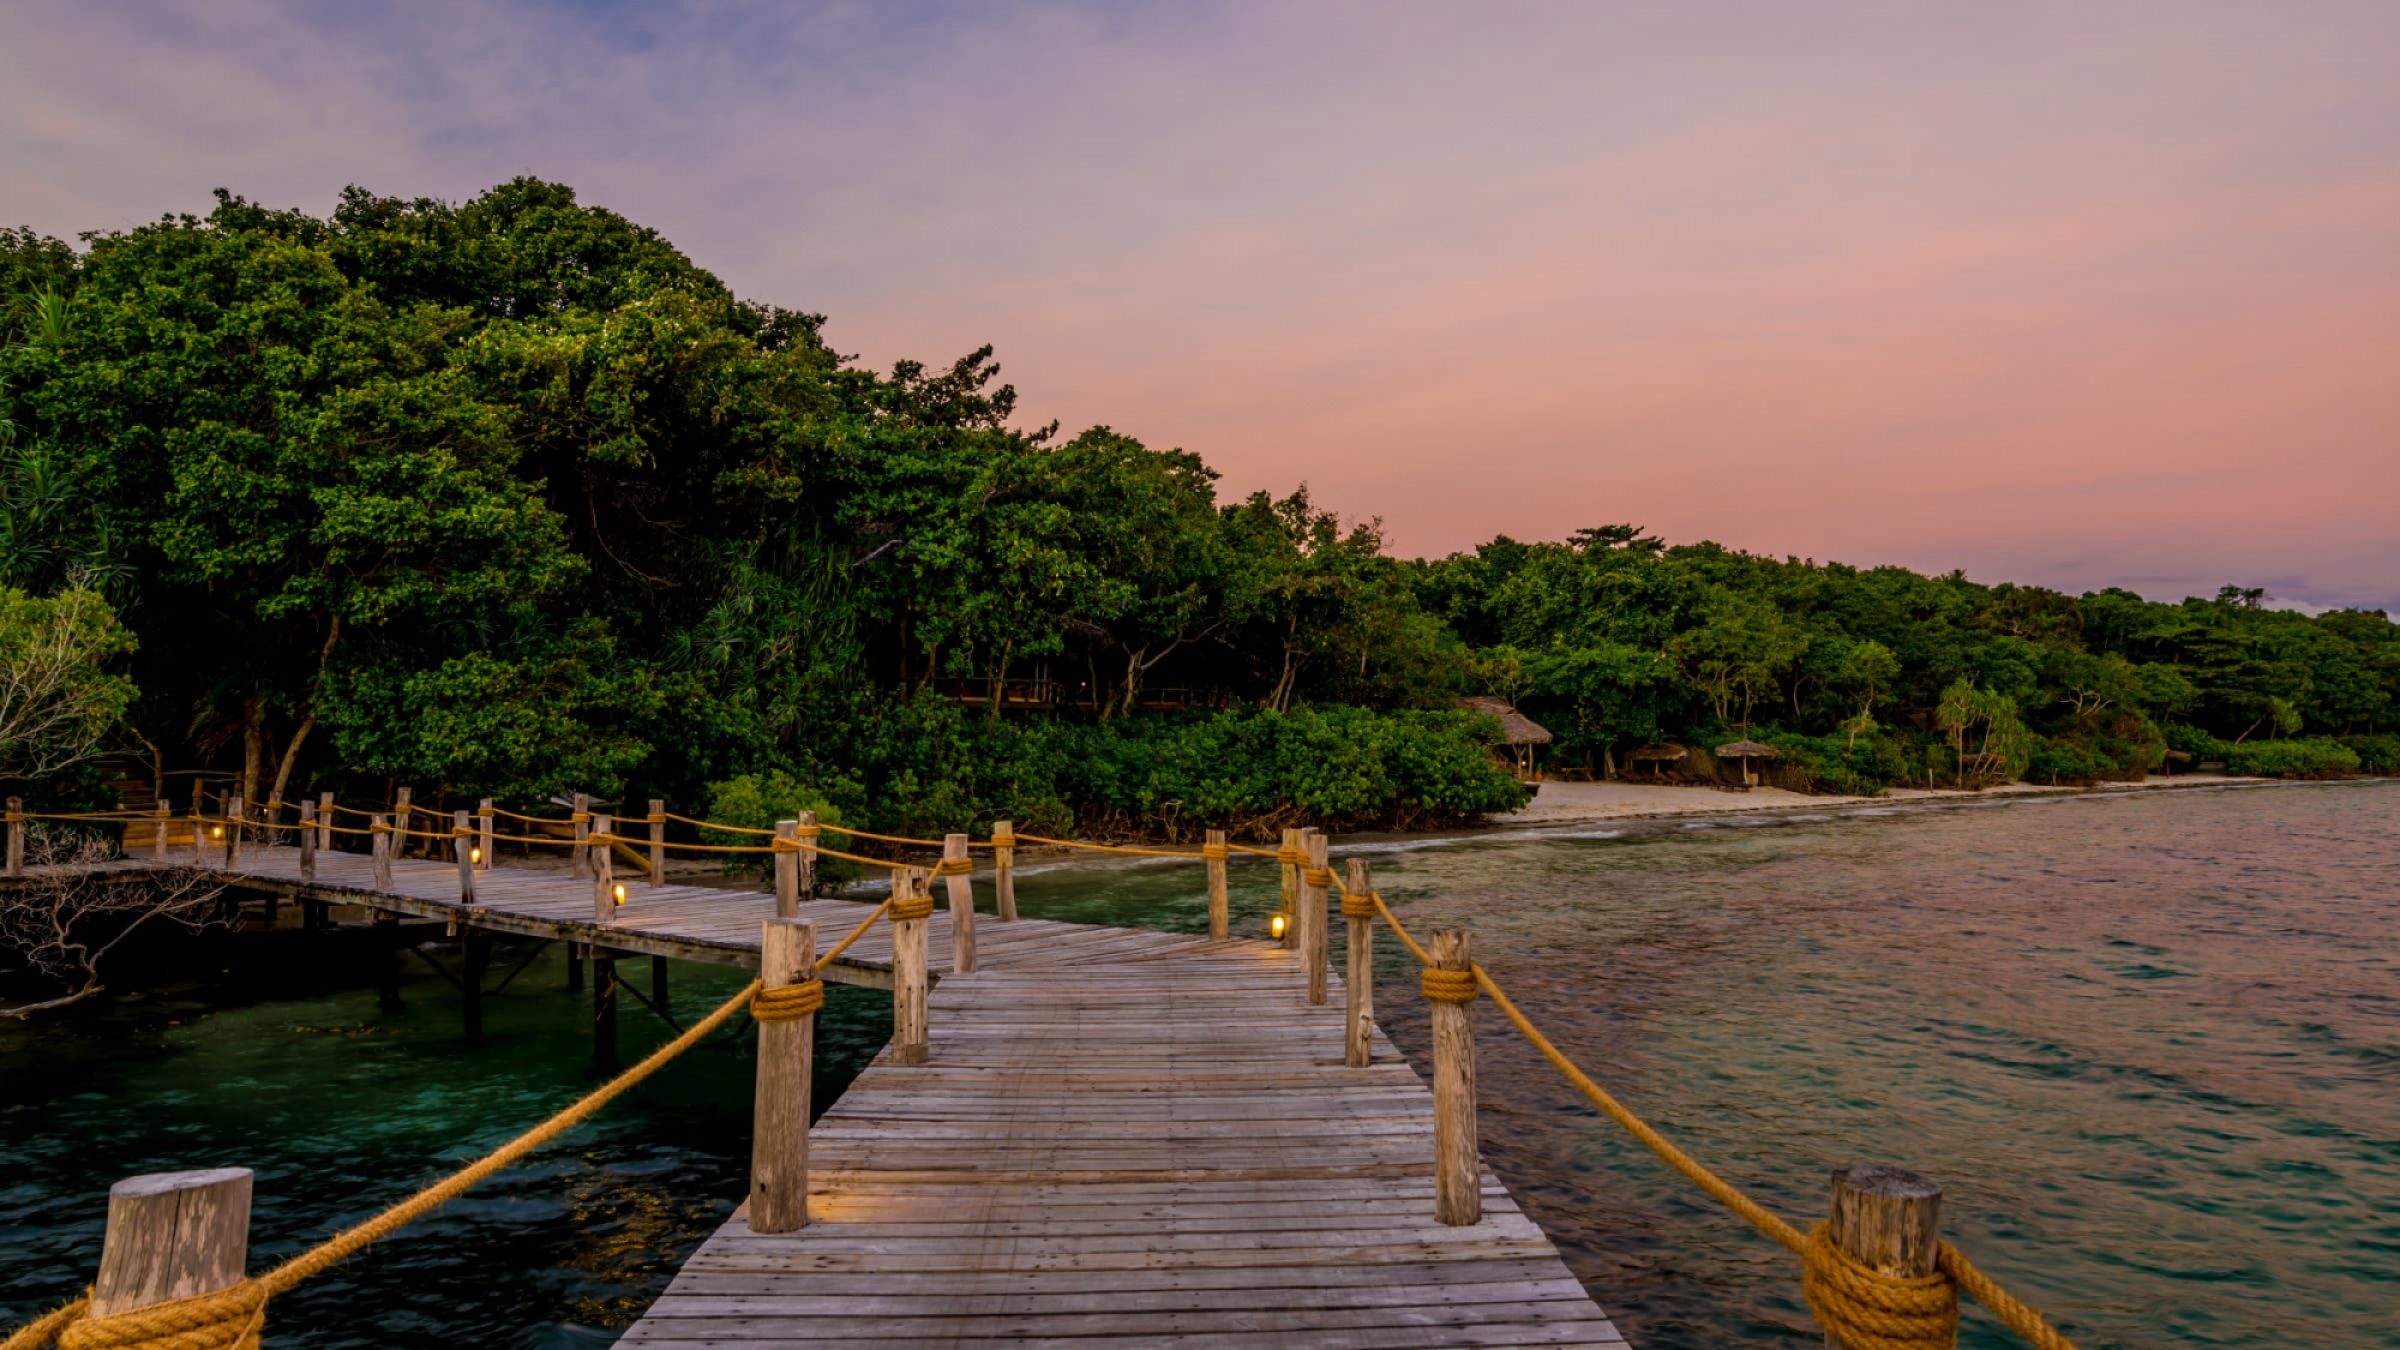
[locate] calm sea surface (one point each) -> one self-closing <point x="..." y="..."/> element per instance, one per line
<point x="2150" y="1043"/>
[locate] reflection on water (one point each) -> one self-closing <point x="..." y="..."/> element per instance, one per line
<point x="2149" y="1043"/>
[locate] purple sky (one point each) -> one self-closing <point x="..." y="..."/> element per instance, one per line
<point x="2081" y="295"/>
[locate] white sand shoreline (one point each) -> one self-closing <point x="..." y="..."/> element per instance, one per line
<point x="1561" y="803"/>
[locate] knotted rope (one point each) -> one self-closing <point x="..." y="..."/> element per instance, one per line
<point x="1318" y="878"/>
<point x="1003" y="839"/>
<point x="1448" y="986"/>
<point x="1869" y="1309"/>
<point x="1359" y="904"/>
<point x="954" y="867"/>
<point x="1291" y="857"/>
<point x="907" y="908"/>
<point x="1216" y="852"/>
<point x="783" y="1002"/>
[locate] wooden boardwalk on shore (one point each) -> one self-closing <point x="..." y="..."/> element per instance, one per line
<point x="1121" y="1138"/>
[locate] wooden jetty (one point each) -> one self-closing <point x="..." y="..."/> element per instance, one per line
<point x="1115" y="1137"/>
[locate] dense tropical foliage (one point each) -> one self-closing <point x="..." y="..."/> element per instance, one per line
<point x="511" y="498"/>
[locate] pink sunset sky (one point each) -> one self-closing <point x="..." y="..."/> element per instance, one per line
<point x="2080" y="294"/>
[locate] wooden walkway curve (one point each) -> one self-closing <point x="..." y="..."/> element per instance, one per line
<point x="1121" y="1138"/>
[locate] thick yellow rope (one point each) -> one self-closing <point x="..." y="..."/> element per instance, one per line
<point x="1109" y="848"/>
<point x="231" y="1317"/>
<point x="784" y="1002"/>
<point x="954" y="867"/>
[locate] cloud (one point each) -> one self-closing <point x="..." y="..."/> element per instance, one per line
<point x="2064" y="294"/>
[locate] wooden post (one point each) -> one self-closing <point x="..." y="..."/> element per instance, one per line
<point x="381" y="845"/>
<point x="199" y="825"/>
<point x="173" y="1235"/>
<point x="787" y="870"/>
<point x="804" y="881"/>
<point x="387" y="957"/>
<point x="787" y="955"/>
<point x="1217" y="896"/>
<point x="16" y="836"/>
<point x="574" y="967"/>
<point x="158" y="845"/>
<point x="308" y="842"/>
<point x="909" y="974"/>
<point x="1313" y="941"/>
<point x="474" y="956"/>
<point x="658" y="841"/>
<point x="604" y="871"/>
<point x="962" y="906"/>
<point x="324" y="820"/>
<point x="604" y="1010"/>
<point x="485" y="822"/>
<point x="1358" y="976"/>
<point x="658" y="982"/>
<point x="1004" y="870"/>
<point x="1885" y="1217"/>
<point x="462" y="846"/>
<point x="1457" y="1171"/>
<point x="1291" y="889"/>
<point x="400" y="810"/>
<point x="233" y="829"/>
<point x="582" y="817"/>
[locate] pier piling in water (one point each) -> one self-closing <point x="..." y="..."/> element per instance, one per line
<point x="173" y="1236"/>
<point x="1887" y="1219"/>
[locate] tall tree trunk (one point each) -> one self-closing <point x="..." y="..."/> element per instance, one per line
<point x="254" y="747"/>
<point x="291" y="756"/>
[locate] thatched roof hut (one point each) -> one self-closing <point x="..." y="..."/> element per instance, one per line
<point x="1515" y="727"/>
<point x="1663" y="754"/>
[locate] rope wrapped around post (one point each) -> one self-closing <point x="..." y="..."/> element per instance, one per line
<point x="954" y="867"/>
<point x="1291" y="857"/>
<point x="782" y="1003"/>
<point x="1216" y="852"/>
<point x="1359" y="904"/>
<point x="1449" y="986"/>
<point x="1319" y="877"/>
<point x="1868" y="1309"/>
<point x="909" y="908"/>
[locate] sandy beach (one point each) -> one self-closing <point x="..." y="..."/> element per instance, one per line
<point x="1560" y="803"/>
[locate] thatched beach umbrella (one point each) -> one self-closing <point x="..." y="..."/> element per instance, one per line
<point x="1520" y="732"/>
<point x="1745" y="751"/>
<point x="1664" y="754"/>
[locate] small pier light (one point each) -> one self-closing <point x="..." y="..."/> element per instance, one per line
<point x="216" y="831"/>
<point x="1275" y="926"/>
<point x="619" y="892"/>
<point x="475" y="855"/>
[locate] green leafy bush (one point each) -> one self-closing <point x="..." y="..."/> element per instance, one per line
<point x="757" y="802"/>
<point x="2313" y="757"/>
<point x="2376" y="754"/>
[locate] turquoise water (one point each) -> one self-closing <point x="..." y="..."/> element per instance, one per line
<point x="2150" y="1044"/>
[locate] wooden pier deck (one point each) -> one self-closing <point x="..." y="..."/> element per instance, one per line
<point x="1121" y="1137"/>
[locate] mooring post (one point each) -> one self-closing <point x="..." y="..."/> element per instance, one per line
<point x="1358" y="975"/>
<point x="400" y="810"/>
<point x="1218" y="912"/>
<point x="387" y="956"/>
<point x="658" y="983"/>
<point x="172" y="1236"/>
<point x="1313" y="936"/>
<point x="962" y="903"/>
<point x="1004" y="870"/>
<point x="581" y="818"/>
<point x="787" y="955"/>
<point x="804" y="883"/>
<point x="1457" y="1171"/>
<point x="158" y="846"/>
<point x="604" y="1010"/>
<point x="787" y="869"/>
<point x="379" y="835"/>
<point x="324" y="820"/>
<point x="915" y="899"/>
<point x="199" y="824"/>
<point x="233" y="829"/>
<point x="658" y="841"/>
<point x="16" y="836"/>
<point x="574" y="967"/>
<point x="484" y="823"/>
<point x="1289" y="855"/>
<point x="462" y="846"/>
<point x="1888" y="1218"/>
<point x="308" y="842"/>
<point x="604" y="870"/>
<point x="475" y="956"/>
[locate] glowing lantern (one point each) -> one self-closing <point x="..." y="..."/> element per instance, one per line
<point x="475" y="855"/>
<point x="1275" y="926"/>
<point x="620" y="892"/>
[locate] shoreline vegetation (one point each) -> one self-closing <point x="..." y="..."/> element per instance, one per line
<point x="510" y="498"/>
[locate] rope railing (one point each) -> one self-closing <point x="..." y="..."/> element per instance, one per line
<point x="234" y="1317"/>
<point x="1864" y="1307"/>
